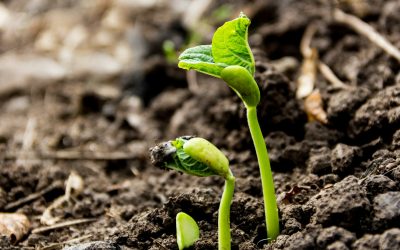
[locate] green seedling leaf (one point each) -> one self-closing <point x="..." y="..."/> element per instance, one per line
<point x="240" y="80"/>
<point x="187" y="230"/>
<point x="199" y="58"/>
<point x="230" y="46"/>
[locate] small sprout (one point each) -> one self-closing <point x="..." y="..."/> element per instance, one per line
<point x="229" y="57"/>
<point x="187" y="230"/>
<point x="169" y="51"/>
<point x="197" y="156"/>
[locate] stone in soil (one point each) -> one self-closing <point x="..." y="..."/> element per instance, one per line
<point x="378" y="184"/>
<point x="319" y="161"/>
<point x="343" y="157"/>
<point x="396" y="140"/>
<point x="386" y="210"/>
<point x="367" y="242"/>
<point x="378" y="116"/>
<point x="279" y="109"/>
<point x="390" y="239"/>
<point x="278" y="142"/>
<point x="334" y="234"/>
<point x="316" y="131"/>
<point x="342" y="104"/>
<point x="344" y="204"/>
<point x="384" y="162"/>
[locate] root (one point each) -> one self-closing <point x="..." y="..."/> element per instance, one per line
<point x="366" y="30"/>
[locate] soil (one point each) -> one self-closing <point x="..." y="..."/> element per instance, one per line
<point x="338" y="184"/>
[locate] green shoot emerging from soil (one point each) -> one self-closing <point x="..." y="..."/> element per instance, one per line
<point x="187" y="230"/>
<point x="199" y="157"/>
<point x="229" y="57"/>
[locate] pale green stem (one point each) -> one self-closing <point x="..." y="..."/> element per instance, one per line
<point x="224" y="229"/>
<point x="267" y="182"/>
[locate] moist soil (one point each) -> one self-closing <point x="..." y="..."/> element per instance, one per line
<point x="337" y="184"/>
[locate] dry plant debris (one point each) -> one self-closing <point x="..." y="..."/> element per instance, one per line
<point x="366" y="30"/>
<point x="314" y="107"/>
<point x="308" y="70"/>
<point x="73" y="187"/>
<point x="14" y="226"/>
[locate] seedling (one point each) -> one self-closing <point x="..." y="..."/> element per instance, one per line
<point x="229" y="57"/>
<point x="197" y="156"/>
<point x="187" y="230"/>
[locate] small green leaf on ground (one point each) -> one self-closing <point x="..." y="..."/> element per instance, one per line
<point x="187" y="230"/>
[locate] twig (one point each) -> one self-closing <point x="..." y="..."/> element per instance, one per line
<point x="61" y="225"/>
<point x="308" y="70"/>
<point x="71" y="155"/>
<point x="57" y="245"/>
<point x="73" y="186"/>
<point x="32" y="196"/>
<point x="331" y="77"/>
<point x="160" y="245"/>
<point x="305" y="44"/>
<point x="366" y="30"/>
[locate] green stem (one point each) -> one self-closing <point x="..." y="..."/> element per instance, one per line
<point x="267" y="182"/>
<point x="224" y="229"/>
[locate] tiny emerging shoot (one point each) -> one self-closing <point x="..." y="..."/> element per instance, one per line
<point x="197" y="156"/>
<point x="229" y="57"/>
<point x="169" y="51"/>
<point x="187" y="230"/>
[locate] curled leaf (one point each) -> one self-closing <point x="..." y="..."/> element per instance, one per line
<point x="204" y="151"/>
<point x="14" y="226"/>
<point x="194" y="156"/>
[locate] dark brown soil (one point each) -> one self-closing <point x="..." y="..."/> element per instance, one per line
<point x="338" y="184"/>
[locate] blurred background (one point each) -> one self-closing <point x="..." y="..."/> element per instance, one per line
<point x="87" y="86"/>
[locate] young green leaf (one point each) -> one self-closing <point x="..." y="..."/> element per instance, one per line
<point x="230" y="46"/>
<point x="187" y="230"/>
<point x="200" y="58"/>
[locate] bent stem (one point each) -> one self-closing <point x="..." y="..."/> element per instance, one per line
<point x="267" y="182"/>
<point x="224" y="231"/>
